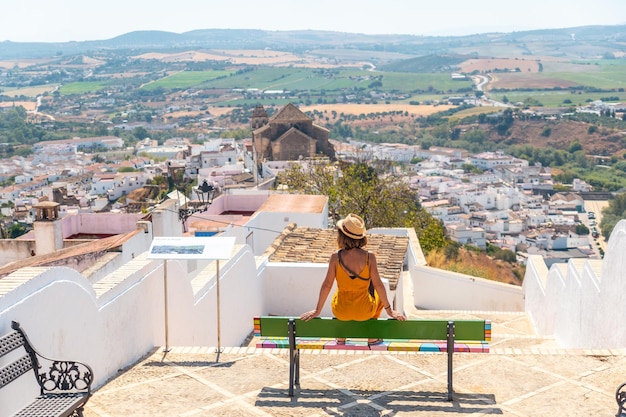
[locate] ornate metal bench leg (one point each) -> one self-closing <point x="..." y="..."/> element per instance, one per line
<point x="620" y="397"/>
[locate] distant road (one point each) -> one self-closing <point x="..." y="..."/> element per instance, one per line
<point x="481" y="81"/>
<point x="596" y="207"/>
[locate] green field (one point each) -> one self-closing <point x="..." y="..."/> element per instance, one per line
<point x="473" y="112"/>
<point x="604" y="74"/>
<point x="550" y="98"/>
<point x="185" y="79"/>
<point x="304" y="79"/>
<point x="83" y="87"/>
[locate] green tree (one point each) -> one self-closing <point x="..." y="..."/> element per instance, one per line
<point x="140" y="133"/>
<point x="582" y="230"/>
<point x="475" y="136"/>
<point x="615" y="212"/>
<point x="575" y="146"/>
<point x="16" y="230"/>
<point x="382" y="200"/>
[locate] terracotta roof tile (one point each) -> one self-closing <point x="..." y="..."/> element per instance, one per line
<point x="63" y="257"/>
<point x="304" y="244"/>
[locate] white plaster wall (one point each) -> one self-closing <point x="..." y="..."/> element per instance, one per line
<point x="534" y="287"/>
<point x="292" y="289"/>
<point x="60" y="311"/>
<point x="613" y="289"/>
<point x="100" y="223"/>
<point x="15" y="249"/>
<point x="165" y="219"/>
<point x="576" y="302"/>
<point x="193" y="305"/>
<point x="436" y="289"/>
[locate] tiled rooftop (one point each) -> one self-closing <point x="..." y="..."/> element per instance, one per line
<point x="96" y="248"/>
<point x="304" y="244"/>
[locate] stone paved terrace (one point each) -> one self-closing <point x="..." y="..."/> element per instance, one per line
<point x="523" y="375"/>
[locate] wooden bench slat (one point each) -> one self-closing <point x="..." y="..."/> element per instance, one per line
<point x="377" y="328"/>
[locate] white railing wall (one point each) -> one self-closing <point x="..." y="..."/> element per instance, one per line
<point x="578" y="303"/>
<point x="436" y="289"/>
<point x="112" y="323"/>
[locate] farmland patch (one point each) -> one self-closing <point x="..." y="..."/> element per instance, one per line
<point x="500" y="64"/>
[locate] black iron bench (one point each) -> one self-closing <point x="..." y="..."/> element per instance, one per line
<point x="620" y="397"/>
<point x="415" y="335"/>
<point x="65" y="386"/>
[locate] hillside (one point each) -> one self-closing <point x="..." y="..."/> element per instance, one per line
<point x="577" y="41"/>
<point x="561" y="135"/>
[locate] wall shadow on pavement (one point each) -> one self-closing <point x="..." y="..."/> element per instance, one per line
<point x="354" y="402"/>
<point x="190" y="364"/>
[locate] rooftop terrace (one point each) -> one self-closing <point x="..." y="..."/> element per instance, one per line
<point x="524" y="375"/>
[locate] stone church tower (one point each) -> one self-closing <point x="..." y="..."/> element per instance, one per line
<point x="259" y="117"/>
<point x="288" y="135"/>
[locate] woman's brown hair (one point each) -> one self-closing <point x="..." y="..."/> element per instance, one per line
<point x="346" y="242"/>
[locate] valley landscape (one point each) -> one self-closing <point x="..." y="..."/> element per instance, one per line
<point x="379" y="82"/>
<point x="552" y="97"/>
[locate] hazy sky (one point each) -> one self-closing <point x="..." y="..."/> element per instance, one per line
<point x="67" y="20"/>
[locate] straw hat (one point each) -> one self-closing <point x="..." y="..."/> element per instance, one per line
<point x="352" y="226"/>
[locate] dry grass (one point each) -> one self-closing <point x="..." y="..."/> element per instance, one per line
<point x="28" y="105"/>
<point x="514" y="81"/>
<point x="357" y="109"/>
<point x="23" y="63"/>
<point x="477" y="264"/>
<point x="250" y="57"/>
<point x="491" y="64"/>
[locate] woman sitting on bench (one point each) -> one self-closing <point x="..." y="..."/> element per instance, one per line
<point x="360" y="296"/>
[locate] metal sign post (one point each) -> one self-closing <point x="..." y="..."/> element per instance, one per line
<point x="219" y="332"/>
<point x="192" y="248"/>
<point x="167" y="346"/>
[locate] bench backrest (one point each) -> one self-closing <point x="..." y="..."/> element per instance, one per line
<point x="10" y="372"/>
<point x="418" y="329"/>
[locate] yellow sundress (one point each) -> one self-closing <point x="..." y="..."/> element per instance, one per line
<point x="352" y="300"/>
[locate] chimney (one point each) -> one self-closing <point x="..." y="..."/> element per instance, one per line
<point x="48" y="228"/>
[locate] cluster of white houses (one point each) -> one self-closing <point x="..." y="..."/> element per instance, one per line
<point x="508" y="203"/>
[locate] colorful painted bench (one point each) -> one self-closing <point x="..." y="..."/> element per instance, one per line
<point x="417" y="335"/>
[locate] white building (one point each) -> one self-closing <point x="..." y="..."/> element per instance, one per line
<point x="491" y="160"/>
<point x="466" y="235"/>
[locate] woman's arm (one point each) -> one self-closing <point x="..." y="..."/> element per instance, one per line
<point x="380" y="289"/>
<point x="327" y="286"/>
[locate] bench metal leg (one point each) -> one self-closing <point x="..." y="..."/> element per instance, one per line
<point x="450" y="349"/>
<point x="620" y="397"/>
<point x="294" y="358"/>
